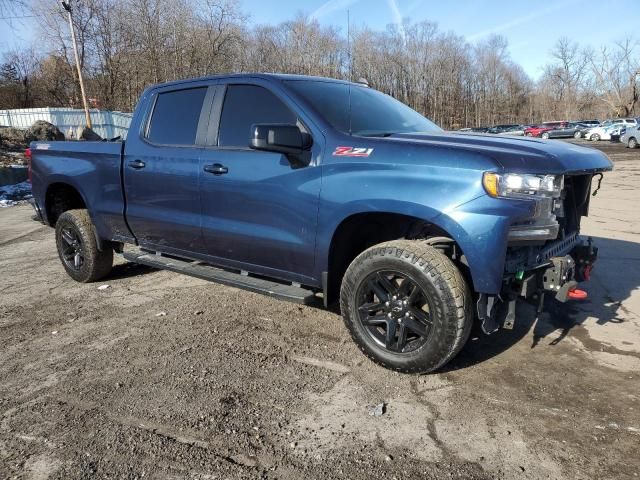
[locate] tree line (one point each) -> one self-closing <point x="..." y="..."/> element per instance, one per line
<point x="126" y="45"/>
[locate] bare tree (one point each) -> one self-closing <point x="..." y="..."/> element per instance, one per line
<point x="615" y="72"/>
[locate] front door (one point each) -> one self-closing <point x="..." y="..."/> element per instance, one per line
<point x="259" y="209"/>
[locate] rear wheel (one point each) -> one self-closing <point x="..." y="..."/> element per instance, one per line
<point x="595" y="137"/>
<point x="406" y="306"/>
<point x="633" y="143"/>
<point x="78" y="249"/>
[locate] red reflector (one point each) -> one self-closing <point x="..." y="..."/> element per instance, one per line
<point x="27" y="153"/>
<point x="577" y="294"/>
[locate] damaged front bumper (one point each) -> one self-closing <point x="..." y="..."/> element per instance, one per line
<point x="554" y="270"/>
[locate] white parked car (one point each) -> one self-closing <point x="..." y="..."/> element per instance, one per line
<point x="623" y="121"/>
<point x="603" y="132"/>
<point x="631" y="137"/>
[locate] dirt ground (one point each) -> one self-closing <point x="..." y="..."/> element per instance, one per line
<point x="165" y="376"/>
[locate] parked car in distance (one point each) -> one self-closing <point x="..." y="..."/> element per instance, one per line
<point x="590" y="123"/>
<point x="622" y="121"/>
<point x="517" y="130"/>
<point x="631" y="137"/>
<point x="565" y="130"/>
<point x="602" y="132"/>
<point x="535" y="130"/>
<point x="474" y="130"/>
<point x="303" y="189"/>
<point x="554" y="130"/>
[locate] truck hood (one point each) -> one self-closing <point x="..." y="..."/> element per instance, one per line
<point x="517" y="154"/>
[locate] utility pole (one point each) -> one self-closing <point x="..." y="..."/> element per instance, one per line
<point x="634" y="87"/>
<point x="67" y="6"/>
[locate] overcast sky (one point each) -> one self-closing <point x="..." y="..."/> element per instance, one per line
<point x="531" y="27"/>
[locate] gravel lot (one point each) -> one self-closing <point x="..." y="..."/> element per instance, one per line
<point x="165" y="376"/>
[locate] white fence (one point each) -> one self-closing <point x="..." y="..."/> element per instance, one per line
<point x="105" y="123"/>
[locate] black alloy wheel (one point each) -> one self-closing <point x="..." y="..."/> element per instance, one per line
<point x="394" y="311"/>
<point x="72" y="248"/>
<point x="78" y="250"/>
<point x="406" y="305"/>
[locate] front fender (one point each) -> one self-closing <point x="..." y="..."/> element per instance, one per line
<point x="480" y="227"/>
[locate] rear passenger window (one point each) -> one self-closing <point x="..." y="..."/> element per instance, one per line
<point x="175" y="117"/>
<point x="245" y="105"/>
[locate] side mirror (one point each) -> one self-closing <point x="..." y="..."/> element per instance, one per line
<point x="287" y="139"/>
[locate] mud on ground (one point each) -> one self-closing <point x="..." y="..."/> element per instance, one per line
<point x="165" y="376"/>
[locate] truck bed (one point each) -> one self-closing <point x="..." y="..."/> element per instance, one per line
<point x="94" y="170"/>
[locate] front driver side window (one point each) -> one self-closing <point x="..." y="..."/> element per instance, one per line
<point x="245" y="105"/>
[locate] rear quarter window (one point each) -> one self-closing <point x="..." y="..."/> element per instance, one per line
<point x="175" y="117"/>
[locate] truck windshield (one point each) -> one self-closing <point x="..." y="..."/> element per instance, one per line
<point x="373" y="114"/>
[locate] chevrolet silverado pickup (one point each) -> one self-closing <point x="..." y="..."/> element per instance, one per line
<point x="329" y="192"/>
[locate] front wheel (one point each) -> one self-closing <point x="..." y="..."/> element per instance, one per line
<point x="545" y="135"/>
<point x="595" y="137"/>
<point x="78" y="249"/>
<point x="407" y="306"/>
<point x="577" y="135"/>
<point x="633" y="143"/>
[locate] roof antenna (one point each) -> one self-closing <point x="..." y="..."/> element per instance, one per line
<point x="350" y="67"/>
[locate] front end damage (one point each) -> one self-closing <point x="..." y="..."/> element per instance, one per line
<point x="546" y="256"/>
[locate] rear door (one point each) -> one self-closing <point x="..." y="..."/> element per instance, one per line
<point x="259" y="209"/>
<point x="161" y="169"/>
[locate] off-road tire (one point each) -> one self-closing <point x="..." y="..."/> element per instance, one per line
<point x="97" y="264"/>
<point x="440" y="280"/>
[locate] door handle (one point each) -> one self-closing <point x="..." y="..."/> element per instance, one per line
<point x="137" y="164"/>
<point x="216" y="169"/>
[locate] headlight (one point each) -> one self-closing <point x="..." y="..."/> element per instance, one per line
<point x="517" y="185"/>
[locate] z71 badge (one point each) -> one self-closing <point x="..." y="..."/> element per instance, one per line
<point x="352" y="152"/>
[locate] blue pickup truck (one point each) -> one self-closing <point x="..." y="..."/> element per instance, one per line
<point x="318" y="190"/>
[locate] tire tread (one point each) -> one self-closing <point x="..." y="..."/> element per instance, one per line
<point x="445" y="276"/>
<point x="99" y="263"/>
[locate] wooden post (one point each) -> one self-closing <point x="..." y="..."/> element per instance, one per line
<point x="67" y="6"/>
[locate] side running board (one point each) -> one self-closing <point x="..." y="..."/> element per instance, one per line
<point x="283" y="291"/>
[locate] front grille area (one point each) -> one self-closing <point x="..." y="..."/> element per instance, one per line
<point x="574" y="202"/>
<point x="572" y="205"/>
